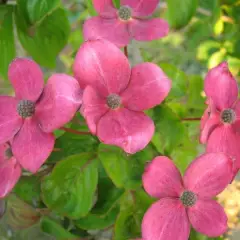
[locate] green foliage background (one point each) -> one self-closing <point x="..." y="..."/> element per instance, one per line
<point x="87" y="188"/>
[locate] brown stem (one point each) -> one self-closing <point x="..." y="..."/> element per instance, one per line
<point x="74" y="131"/>
<point x="191" y="119"/>
<point x="126" y="51"/>
<point x="56" y="149"/>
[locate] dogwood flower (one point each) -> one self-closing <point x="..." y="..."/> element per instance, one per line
<point x="186" y="201"/>
<point x="220" y="124"/>
<point x="115" y="95"/>
<point x="29" y="118"/>
<point x="10" y="170"/>
<point x="128" y="22"/>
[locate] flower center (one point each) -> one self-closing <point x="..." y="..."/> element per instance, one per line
<point x="228" y="116"/>
<point x="8" y="153"/>
<point x="26" y="108"/>
<point x="124" y="13"/>
<point x="188" y="198"/>
<point x="113" y="101"/>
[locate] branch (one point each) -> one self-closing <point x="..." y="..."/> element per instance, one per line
<point x="74" y="131"/>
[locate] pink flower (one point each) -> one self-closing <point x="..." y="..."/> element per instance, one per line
<point x="220" y="125"/>
<point x="10" y="170"/>
<point x="121" y="25"/>
<point x="36" y="111"/>
<point x="116" y="96"/>
<point x="186" y="201"/>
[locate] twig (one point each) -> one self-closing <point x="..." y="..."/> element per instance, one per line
<point x="74" y="131"/>
<point x="126" y="51"/>
<point x="191" y="119"/>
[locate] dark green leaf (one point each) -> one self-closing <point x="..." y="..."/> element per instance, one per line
<point x="96" y="222"/>
<point x="38" y="9"/>
<point x="106" y="208"/>
<point x="170" y="131"/>
<point x="70" y="188"/>
<point x="46" y="38"/>
<point x="181" y="12"/>
<point x="7" y="45"/>
<point x="133" y="207"/>
<point x="54" y="229"/>
<point x="123" y="169"/>
<point x="19" y="214"/>
<point x="28" y="189"/>
<point x="198" y="32"/>
<point x="108" y="194"/>
<point x="185" y="153"/>
<point x="69" y="144"/>
<point x="2" y="207"/>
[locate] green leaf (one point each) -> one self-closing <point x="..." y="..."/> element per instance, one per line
<point x="108" y="194"/>
<point x="170" y="131"/>
<point x="125" y="170"/>
<point x="207" y="48"/>
<point x="216" y="58"/>
<point x="7" y="45"/>
<point x="198" y="236"/>
<point x="195" y="92"/>
<point x="106" y="208"/>
<point x="97" y="222"/>
<point x="70" y="188"/>
<point x="234" y="65"/>
<point x="116" y="3"/>
<point x="181" y="12"/>
<point x="38" y="9"/>
<point x="91" y="8"/>
<point x="44" y="39"/>
<point x="29" y="189"/>
<point x="54" y="229"/>
<point x="185" y="153"/>
<point x="19" y="214"/>
<point x="179" y="81"/>
<point x="133" y="207"/>
<point x="69" y="144"/>
<point x="197" y="33"/>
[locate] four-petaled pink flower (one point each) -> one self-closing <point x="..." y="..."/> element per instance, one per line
<point x="220" y="125"/>
<point x="29" y="118"/>
<point x="10" y="170"/>
<point x="128" y="22"/>
<point x="186" y="201"/>
<point x="116" y="96"/>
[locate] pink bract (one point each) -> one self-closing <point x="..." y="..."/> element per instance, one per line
<point x="10" y="170"/>
<point x="220" y="125"/>
<point x="115" y="95"/>
<point x="186" y="201"/>
<point x="29" y="118"/>
<point x="129" y="22"/>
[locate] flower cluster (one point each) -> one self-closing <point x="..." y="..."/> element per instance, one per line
<point x="115" y="95"/>
<point x="128" y="22"/>
<point x="220" y="124"/>
<point x="28" y="119"/>
<point x="186" y="201"/>
<point x="112" y="97"/>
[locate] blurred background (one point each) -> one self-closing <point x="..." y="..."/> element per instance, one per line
<point x="203" y="34"/>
